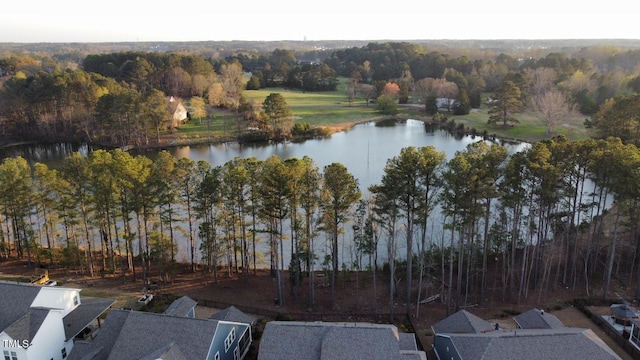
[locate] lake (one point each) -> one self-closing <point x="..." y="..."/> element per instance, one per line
<point x="364" y="149"/>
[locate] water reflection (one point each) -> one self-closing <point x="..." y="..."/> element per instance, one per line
<point x="363" y="149"/>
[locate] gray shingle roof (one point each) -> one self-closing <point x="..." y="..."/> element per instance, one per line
<point x="329" y="341"/>
<point x="407" y="341"/>
<point x="137" y="335"/>
<point x="171" y="351"/>
<point x="181" y="306"/>
<point x="461" y="322"/>
<point x="16" y="300"/>
<point x="88" y="310"/>
<point x="537" y="319"/>
<point x="533" y="344"/>
<point x="99" y="347"/>
<point x="233" y="314"/>
<point x="28" y="325"/>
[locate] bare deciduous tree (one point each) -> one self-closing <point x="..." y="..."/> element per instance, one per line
<point x="424" y="88"/>
<point x="231" y="79"/>
<point x="551" y="107"/>
<point x="541" y="79"/>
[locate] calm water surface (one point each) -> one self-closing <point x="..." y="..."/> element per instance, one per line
<point x="364" y="149"/>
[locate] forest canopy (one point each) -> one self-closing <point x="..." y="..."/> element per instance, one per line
<point x="51" y="96"/>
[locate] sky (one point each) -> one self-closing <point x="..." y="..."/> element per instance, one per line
<point x="269" y="20"/>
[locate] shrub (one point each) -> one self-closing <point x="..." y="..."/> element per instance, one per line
<point x="386" y="105"/>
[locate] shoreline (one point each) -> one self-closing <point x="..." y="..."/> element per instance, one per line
<point x="174" y="141"/>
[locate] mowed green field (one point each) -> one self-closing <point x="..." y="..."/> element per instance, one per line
<point x="333" y="109"/>
<point x="320" y="108"/>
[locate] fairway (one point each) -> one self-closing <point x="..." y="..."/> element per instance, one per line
<point x="319" y="108"/>
<point x="333" y="109"/>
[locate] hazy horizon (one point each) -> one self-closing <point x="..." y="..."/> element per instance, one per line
<point x="72" y="21"/>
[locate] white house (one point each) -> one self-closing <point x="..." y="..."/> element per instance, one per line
<point x="41" y="322"/>
<point x="179" y="113"/>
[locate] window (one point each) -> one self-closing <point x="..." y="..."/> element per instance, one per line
<point x="217" y="357"/>
<point x="10" y="355"/>
<point x="230" y="339"/>
<point x="236" y="354"/>
<point x="76" y="300"/>
<point x="64" y="353"/>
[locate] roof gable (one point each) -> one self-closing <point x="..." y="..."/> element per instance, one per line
<point x="233" y="314"/>
<point x="537" y="319"/>
<point x="462" y="322"/>
<point x="27" y="326"/>
<point x="181" y="306"/>
<point x="16" y="299"/>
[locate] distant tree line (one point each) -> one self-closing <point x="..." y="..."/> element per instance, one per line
<point x="114" y="98"/>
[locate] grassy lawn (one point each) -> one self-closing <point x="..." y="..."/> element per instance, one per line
<point x="530" y="128"/>
<point x="321" y="109"/>
<point x="333" y="109"/>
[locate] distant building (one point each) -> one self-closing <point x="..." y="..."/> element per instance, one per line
<point x="178" y="112"/>
<point x="339" y="341"/>
<point x="41" y="322"/>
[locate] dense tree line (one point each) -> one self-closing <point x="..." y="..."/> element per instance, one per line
<point x="282" y="68"/>
<point x="557" y="214"/>
<point x="113" y="98"/>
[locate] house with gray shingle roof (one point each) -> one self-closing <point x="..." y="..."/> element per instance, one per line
<point x="455" y="339"/>
<point x="128" y="334"/>
<point x="537" y="319"/>
<point x="336" y="341"/>
<point x="233" y="314"/>
<point x="462" y="322"/>
<point x="41" y="322"/>
<point x="524" y="344"/>
<point x="183" y="306"/>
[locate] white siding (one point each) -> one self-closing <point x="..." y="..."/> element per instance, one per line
<point x="57" y="298"/>
<point x="8" y="344"/>
<point x="50" y="339"/>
